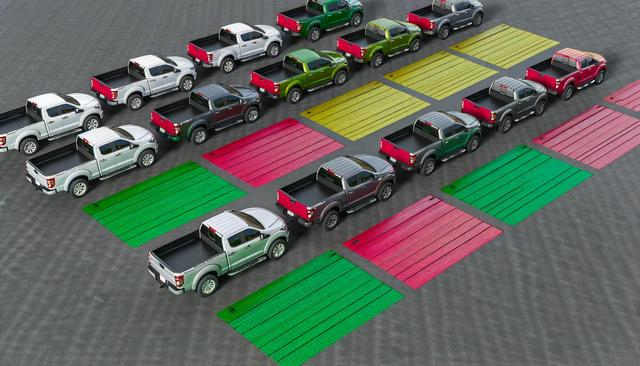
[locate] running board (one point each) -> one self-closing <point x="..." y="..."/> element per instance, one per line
<point x="398" y="53"/>
<point x="164" y="92"/>
<point x="363" y="205"/>
<point x="65" y="134"/>
<point x="525" y="117"/>
<point x="229" y="125"/>
<point x="463" y="26"/>
<point x="253" y="57"/>
<point x="320" y="87"/>
<point x="337" y="27"/>
<point x="444" y="160"/>
<point x="586" y="85"/>
<point x="248" y="265"/>
<point x="118" y="172"/>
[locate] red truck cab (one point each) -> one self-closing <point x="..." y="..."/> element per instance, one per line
<point x="567" y="71"/>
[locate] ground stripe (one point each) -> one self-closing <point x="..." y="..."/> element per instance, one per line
<point x="628" y="97"/>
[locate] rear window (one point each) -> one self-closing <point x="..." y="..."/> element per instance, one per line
<point x="136" y="70"/>
<point x="329" y="178"/>
<point x="210" y="237"/>
<point x="375" y="32"/>
<point x="84" y="147"/>
<point x="293" y="65"/>
<point x="198" y="100"/>
<point x="564" y="60"/>
<point x="428" y="131"/>
<point x="502" y="89"/>
<point x="315" y="8"/>
<point x="34" y="110"/>
<point x="227" y="36"/>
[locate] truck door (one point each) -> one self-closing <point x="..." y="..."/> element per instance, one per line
<point x="338" y="13"/>
<point x="587" y="71"/>
<point x="526" y="102"/>
<point x="453" y="140"/>
<point x="125" y="153"/>
<point x="320" y="72"/>
<point x="107" y="158"/>
<point x="360" y="187"/>
<point x="463" y="14"/>
<point x="244" y="247"/>
<point x="398" y="39"/>
<point x="162" y="78"/>
<point x="251" y="44"/>
<point x="57" y="119"/>
<point x="228" y="110"/>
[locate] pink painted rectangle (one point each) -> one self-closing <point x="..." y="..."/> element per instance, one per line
<point x="272" y="152"/>
<point x="596" y="137"/>
<point x="628" y="97"/>
<point x="422" y="241"/>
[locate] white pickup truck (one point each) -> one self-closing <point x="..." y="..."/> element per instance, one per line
<point x="97" y="154"/>
<point x="234" y="43"/>
<point x="145" y="76"/>
<point x="47" y="117"/>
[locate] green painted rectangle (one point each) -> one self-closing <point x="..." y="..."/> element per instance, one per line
<point x="162" y="203"/>
<point x="302" y="313"/>
<point x="517" y="184"/>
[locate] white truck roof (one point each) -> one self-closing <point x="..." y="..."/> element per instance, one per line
<point x="226" y="224"/>
<point x="238" y="28"/>
<point x="46" y="100"/>
<point x="147" y="61"/>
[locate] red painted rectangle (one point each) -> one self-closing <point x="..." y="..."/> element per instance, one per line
<point x="596" y="137"/>
<point x="272" y="152"/>
<point x="422" y="241"/>
<point x="628" y="97"/>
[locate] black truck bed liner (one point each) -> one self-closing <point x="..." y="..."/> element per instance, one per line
<point x="117" y="78"/>
<point x="14" y="120"/>
<point x="276" y="72"/>
<point x="555" y="71"/>
<point x="210" y="43"/>
<point x="431" y="13"/>
<point x="485" y="99"/>
<point x="297" y="14"/>
<point x="185" y="253"/>
<point x="407" y="140"/>
<point x="309" y="191"/>
<point x="361" y="38"/>
<point x="179" y="111"/>
<point x="59" y="160"/>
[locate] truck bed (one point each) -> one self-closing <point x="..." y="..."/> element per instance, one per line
<point x="546" y="67"/>
<point x="116" y="78"/>
<point x="210" y="43"/>
<point x="431" y="13"/>
<point x="14" y="120"/>
<point x="185" y="253"/>
<point x="59" y="160"/>
<point x="297" y="14"/>
<point x="309" y="191"/>
<point x="179" y="111"/>
<point x="485" y="99"/>
<point x="361" y="38"/>
<point x="407" y="140"/>
<point x="276" y="72"/>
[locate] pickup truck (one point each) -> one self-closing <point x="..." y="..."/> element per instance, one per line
<point x="145" y="76"/>
<point x="443" y="16"/>
<point x="208" y="109"/>
<point x="343" y="185"/>
<point x="98" y="154"/>
<point x="436" y="136"/>
<point x="47" y="117"/>
<point x="225" y="244"/>
<point x="568" y="70"/>
<point x="320" y="15"/>
<point x="507" y="100"/>
<point x="381" y="38"/>
<point x="234" y="43"/>
<point x="301" y="70"/>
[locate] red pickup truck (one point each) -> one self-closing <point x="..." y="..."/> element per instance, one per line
<point x="567" y="71"/>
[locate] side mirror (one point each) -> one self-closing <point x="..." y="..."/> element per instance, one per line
<point x="176" y="71"/>
<point x="132" y="146"/>
<point x="265" y="37"/>
<point x="264" y="236"/>
<point x="78" y="110"/>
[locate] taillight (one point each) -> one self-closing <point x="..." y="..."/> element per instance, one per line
<point x="276" y="88"/>
<point x="114" y="94"/>
<point x="493" y="116"/>
<point x="3" y="140"/>
<point x="176" y="128"/>
<point x="380" y="144"/>
<point x="432" y="24"/>
<point x="310" y="212"/>
<point x="412" y="159"/>
<point x="362" y="52"/>
<point x="51" y="182"/>
<point x="277" y="196"/>
<point x="179" y="280"/>
<point x="299" y="27"/>
<point x="408" y="18"/>
<point x="558" y="82"/>
<point x="209" y="57"/>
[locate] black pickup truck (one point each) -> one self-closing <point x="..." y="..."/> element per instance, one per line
<point x="210" y="108"/>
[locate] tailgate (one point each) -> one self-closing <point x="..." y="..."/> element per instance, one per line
<point x="477" y="111"/>
<point x="397" y="153"/>
<point x="351" y="48"/>
<point x="264" y="83"/>
<point x="103" y="89"/>
<point x="199" y="53"/>
<point x="288" y="23"/>
<point x="290" y="204"/>
<point x="162" y="274"/>
<point x="164" y="123"/>
<point x="544" y="79"/>
<point x="38" y="178"/>
<point x="424" y="23"/>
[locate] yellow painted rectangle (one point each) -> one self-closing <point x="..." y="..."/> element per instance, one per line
<point x="504" y="46"/>
<point x="365" y="110"/>
<point x="440" y="75"/>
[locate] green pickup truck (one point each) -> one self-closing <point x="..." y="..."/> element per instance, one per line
<point x="301" y="70"/>
<point x="381" y="38"/>
<point x="320" y="15"/>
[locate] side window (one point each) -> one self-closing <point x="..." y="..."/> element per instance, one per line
<point x="166" y="69"/>
<point x="54" y="111"/>
<point x="318" y="64"/>
<point x="332" y="7"/>
<point x="155" y="71"/>
<point x="397" y="31"/>
<point x="250" y="36"/>
<point x="522" y="94"/>
<point x="462" y="6"/>
<point x="365" y="177"/>
<point x="251" y="234"/>
<point x="453" y="130"/>
<point x="352" y="181"/>
<point x="231" y="100"/>
<point x="67" y="108"/>
<point x="530" y="92"/>
<point x="219" y="103"/>
<point x="106" y="149"/>
<point x="587" y="62"/>
<point x="121" y="144"/>
<point x="341" y="5"/>
<point x="235" y="240"/>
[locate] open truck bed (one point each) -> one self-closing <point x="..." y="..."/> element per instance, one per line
<point x="14" y="120"/>
<point x="179" y="111"/>
<point x="59" y="160"/>
<point x="362" y="38"/>
<point x="485" y="99"/>
<point x="185" y="253"/>
<point x="547" y="67"/>
<point x="407" y="140"/>
<point x="308" y="191"/>
<point x="116" y="78"/>
<point x="276" y="72"/>
<point x="297" y="14"/>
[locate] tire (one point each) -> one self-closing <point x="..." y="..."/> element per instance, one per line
<point x="207" y="285"/>
<point x="340" y="78"/>
<point x="228" y="65"/>
<point x="356" y="20"/>
<point x="477" y="19"/>
<point x="473" y="144"/>
<point x="601" y="76"/>
<point x="294" y="96"/>
<point x="314" y="34"/>
<point x="146" y="159"/>
<point x="428" y="166"/>
<point x="91" y="122"/>
<point x="445" y="32"/>
<point x="331" y="220"/>
<point x="277" y="250"/>
<point x="415" y="45"/>
<point x="505" y="125"/>
<point x="568" y="93"/>
<point x="377" y="60"/>
<point x="186" y="84"/>
<point x="29" y="146"/>
<point x="199" y="136"/>
<point x="385" y="192"/>
<point x="252" y="114"/>
<point x="540" y="107"/>
<point x="273" y="50"/>
<point x="79" y="188"/>
<point x="135" y="102"/>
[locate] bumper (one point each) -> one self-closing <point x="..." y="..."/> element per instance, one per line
<point x="4" y="149"/>
<point x="293" y="217"/>
<point x="38" y="187"/>
<point x="266" y="94"/>
<point x="201" y="63"/>
<point x="167" y="284"/>
<point x="289" y="31"/>
<point x="351" y="57"/>
<point x="430" y="32"/>
<point x="165" y="135"/>
<point x="104" y="99"/>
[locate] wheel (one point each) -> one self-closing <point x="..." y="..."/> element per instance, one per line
<point x="28" y="146"/>
<point x="341" y="78"/>
<point x="79" y="188"/>
<point x="428" y="166"/>
<point x="294" y="96"/>
<point x="273" y="50"/>
<point x="377" y="60"/>
<point x="540" y="107"/>
<point x="207" y="285"/>
<point x="477" y="19"/>
<point x="252" y="114"/>
<point x="186" y="84"/>
<point x="91" y="123"/>
<point x="277" y="250"/>
<point x="228" y="65"/>
<point x="385" y="192"/>
<point x="445" y="31"/>
<point x="568" y="92"/>
<point x="473" y="144"/>
<point x="506" y="125"/>
<point x="146" y="158"/>
<point x="356" y="20"/>
<point x="331" y="220"/>
<point x="600" y="77"/>
<point x="314" y="34"/>
<point x="134" y="102"/>
<point x="415" y="45"/>
<point x="199" y="136"/>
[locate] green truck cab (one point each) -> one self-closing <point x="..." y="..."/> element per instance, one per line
<point x="320" y="15"/>
<point x="381" y="38"/>
<point x="304" y="70"/>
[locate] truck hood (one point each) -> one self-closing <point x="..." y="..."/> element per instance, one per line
<point x="380" y="165"/>
<point x="267" y="218"/>
<point x="182" y="62"/>
<point x="85" y="99"/>
<point x="269" y="30"/>
<point x="138" y="133"/>
<point x="469" y="120"/>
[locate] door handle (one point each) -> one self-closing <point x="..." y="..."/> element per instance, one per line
<point x="232" y="254"/>
<point x="164" y="77"/>
<point x="152" y="80"/>
<point x="244" y="45"/>
<point x="103" y="160"/>
<point x="65" y="117"/>
<point x="118" y="154"/>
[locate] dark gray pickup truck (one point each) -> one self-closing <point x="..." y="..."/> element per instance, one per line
<point x="443" y="16"/>
<point x="345" y="184"/>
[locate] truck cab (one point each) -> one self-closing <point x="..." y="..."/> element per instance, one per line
<point x="444" y="16"/>
<point x="320" y="15"/>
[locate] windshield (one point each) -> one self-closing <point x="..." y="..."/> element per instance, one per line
<point x="248" y="219"/>
<point x="167" y="60"/>
<point x="68" y="99"/>
<point x="428" y="131"/>
<point x="330" y="179"/>
<point x="231" y="90"/>
<point x="211" y="237"/>
<point x="122" y="133"/>
<point x="315" y="8"/>
<point x="198" y="100"/>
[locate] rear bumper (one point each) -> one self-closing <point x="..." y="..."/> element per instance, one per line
<point x="165" y="135"/>
<point x="167" y="284"/>
<point x="4" y="149"/>
<point x="201" y="63"/>
<point x="38" y="187"/>
<point x="293" y="217"/>
<point x="266" y="94"/>
<point x="104" y="99"/>
<point x="289" y="31"/>
<point x="351" y="57"/>
<point x="397" y="163"/>
<point x="429" y="32"/>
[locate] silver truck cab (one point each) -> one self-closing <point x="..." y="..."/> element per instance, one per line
<point x="48" y="117"/>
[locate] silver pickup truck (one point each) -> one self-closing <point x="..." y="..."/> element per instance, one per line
<point x="234" y="43"/>
<point x="47" y="117"/>
<point x="145" y="76"/>
<point x="225" y="244"/>
<point x="97" y="154"/>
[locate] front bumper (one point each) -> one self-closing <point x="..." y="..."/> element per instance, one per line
<point x="38" y="187"/>
<point x="167" y="284"/>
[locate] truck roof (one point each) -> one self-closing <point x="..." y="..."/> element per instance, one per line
<point x="99" y="136"/>
<point x="147" y="60"/>
<point x="304" y="55"/>
<point x="46" y="100"/>
<point x="238" y="28"/>
<point x="344" y="166"/>
<point x="509" y="83"/>
<point x="384" y="23"/>
<point x="226" y="223"/>
<point x="578" y="55"/>
<point x="211" y="91"/>
<point x="438" y="119"/>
